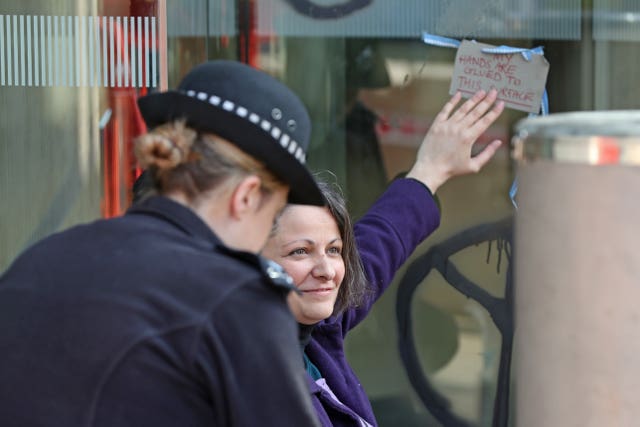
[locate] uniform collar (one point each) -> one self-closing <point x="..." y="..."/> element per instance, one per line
<point x="179" y="215"/>
<point x="190" y="223"/>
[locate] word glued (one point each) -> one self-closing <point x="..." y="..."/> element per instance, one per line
<point x="520" y="83"/>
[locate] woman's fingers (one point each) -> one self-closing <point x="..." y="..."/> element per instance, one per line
<point x="468" y="106"/>
<point x="444" y="114"/>
<point x="478" y="161"/>
<point x="446" y="148"/>
<point x="478" y="111"/>
<point x="475" y="108"/>
<point x="471" y="110"/>
<point x="472" y="119"/>
<point x="483" y="123"/>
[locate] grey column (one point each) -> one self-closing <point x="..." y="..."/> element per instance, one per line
<point x="577" y="270"/>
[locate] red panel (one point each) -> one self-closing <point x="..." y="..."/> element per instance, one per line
<point x="120" y="166"/>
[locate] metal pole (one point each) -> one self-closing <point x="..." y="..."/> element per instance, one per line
<point x="577" y="270"/>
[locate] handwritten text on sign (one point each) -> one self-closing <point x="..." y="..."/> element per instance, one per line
<point x="520" y="83"/>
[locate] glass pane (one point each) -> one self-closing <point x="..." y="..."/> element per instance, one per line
<point x="550" y="19"/>
<point x="374" y="89"/>
<point x="372" y="100"/>
<point x="616" y="20"/>
<point x="191" y="18"/>
<point x="198" y="30"/>
<point x="69" y="76"/>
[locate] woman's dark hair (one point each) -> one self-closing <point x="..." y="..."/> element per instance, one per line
<point x="355" y="284"/>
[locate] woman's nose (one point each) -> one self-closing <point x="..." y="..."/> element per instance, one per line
<point x="324" y="268"/>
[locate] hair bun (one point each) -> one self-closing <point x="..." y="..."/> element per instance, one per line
<point x="165" y="147"/>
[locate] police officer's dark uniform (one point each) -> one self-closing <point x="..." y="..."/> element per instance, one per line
<point x="148" y="320"/>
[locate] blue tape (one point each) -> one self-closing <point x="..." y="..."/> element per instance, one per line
<point x="527" y="54"/>
<point x="544" y="108"/>
<point x="434" y="40"/>
<point x="512" y="192"/>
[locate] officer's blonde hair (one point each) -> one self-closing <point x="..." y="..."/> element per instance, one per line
<point x="181" y="159"/>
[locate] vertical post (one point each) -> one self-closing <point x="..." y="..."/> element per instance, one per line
<point x="247" y="35"/>
<point x="578" y="272"/>
<point x="121" y="169"/>
<point x="162" y="47"/>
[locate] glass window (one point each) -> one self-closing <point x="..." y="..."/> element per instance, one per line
<point x="70" y="73"/>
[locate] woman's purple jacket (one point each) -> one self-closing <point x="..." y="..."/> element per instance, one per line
<point x="386" y="236"/>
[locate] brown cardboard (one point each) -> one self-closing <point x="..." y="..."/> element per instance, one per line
<point x="520" y="83"/>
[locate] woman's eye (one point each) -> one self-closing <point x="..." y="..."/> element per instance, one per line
<point x="335" y="251"/>
<point x="299" y="251"/>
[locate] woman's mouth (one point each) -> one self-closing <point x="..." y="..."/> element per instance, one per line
<point x="318" y="291"/>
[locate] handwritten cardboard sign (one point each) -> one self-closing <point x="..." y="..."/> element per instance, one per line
<point x="520" y="83"/>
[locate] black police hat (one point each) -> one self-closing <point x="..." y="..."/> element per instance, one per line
<point x="249" y="108"/>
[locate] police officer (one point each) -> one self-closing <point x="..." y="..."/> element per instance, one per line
<point x="165" y="316"/>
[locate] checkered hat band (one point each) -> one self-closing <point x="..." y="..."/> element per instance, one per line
<point x="276" y="133"/>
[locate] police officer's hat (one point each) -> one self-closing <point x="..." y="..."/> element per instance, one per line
<point x="250" y="109"/>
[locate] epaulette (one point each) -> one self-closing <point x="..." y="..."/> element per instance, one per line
<point x="276" y="274"/>
<point x="271" y="270"/>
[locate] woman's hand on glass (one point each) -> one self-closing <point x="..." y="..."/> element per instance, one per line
<point x="446" y="150"/>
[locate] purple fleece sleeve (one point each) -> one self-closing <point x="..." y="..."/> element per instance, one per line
<point x="387" y="235"/>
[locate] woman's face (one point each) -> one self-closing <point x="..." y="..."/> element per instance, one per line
<point x="308" y="245"/>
